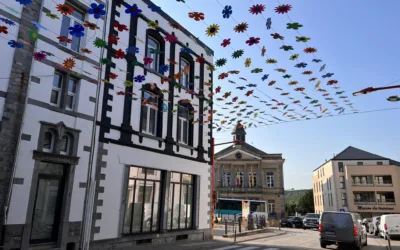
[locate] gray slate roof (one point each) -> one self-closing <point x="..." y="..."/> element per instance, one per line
<point x="352" y="153"/>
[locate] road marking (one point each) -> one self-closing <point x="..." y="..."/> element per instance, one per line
<point x="249" y="248"/>
<point x="271" y="248"/>
<point x="226" y="248"/>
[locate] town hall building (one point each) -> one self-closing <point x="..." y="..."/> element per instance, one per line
<point x="248" y="173"/>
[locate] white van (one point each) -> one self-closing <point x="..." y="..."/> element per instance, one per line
<point x="389" y="225"/>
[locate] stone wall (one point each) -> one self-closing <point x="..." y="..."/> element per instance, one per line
<point x="15" y="103"/>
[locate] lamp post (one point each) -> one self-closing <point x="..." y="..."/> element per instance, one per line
<point x="371" y="89"/>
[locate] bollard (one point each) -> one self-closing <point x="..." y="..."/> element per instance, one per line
<point x="240" y="226"/>
<point x="235" y="235"/>
<point x="389" y="245"/>
<point x="233" y="226"/>
<point x="226" y="227"/>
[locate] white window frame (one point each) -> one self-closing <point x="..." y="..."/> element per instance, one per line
<point x="72" y="94"/>
<point x="52" y="142"/>
<point x="72" y="21"/>
<point x="181" y="121"/>
<point x="271" y="208"/>
<point x="57" y="89"/>
<point x="156" y="57"/>
<point x="149" y="108"/>
<point x="68" y="146"/>
<point x="185" y="78"/>
<point x="270" y="180"/>
<point x="227" y="180"/>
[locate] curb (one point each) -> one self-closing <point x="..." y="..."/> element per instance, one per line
<point x="238" y="241"/>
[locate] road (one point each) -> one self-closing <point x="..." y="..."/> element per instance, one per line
<point x="302" y="239"/>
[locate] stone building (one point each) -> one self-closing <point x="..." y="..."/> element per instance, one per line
<point x="245" y="172"/>
<point x="138" y="170"/>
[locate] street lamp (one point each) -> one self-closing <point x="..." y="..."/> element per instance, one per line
<point x="371" y="89"/>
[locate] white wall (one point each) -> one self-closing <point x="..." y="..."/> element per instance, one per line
<point x="117" y="158"/>
<point x="33" y="115"/>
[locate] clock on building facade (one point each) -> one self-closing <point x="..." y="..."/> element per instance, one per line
<point x="238" y="155"/>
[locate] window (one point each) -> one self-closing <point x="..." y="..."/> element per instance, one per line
<point x="239" y="178"/>
<point x="77" y="17"/>
<point x="48" y="142"/>
<point x="64" y="91"/>
<point x="270" y="179"/>
<point x="341" y="166"/>
<point x="152" y="43"/>
<point x="385" y="197"/>
<point x="342" y="182"/>
<point x="185" y="71"/>
<point x="344" y="199"/>
<point x="362" y="180"/>
<point x="143" y="201"/>
<point x="330" y="184"/>
<point x="180" y="206"/>
<point x="379" y="163"/>
<point x="323" y="200"/>
<point x="70" y="99"/>
<point x="322" y="186"/>
<point x="271" y="207"/>
<point x="252" y="179"/>
<point x="383" y="180"/>
<point x="227" y="179"/>
<point x="57" y="89"/>
<point x="360" y="163"/>
<point x="65" y="145"/>
<point x="149" y="113"/>
<point x="183" y="124"/>
<point x="364" y="197"/>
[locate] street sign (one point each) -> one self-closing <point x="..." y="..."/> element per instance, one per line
<point x="342" y="210"/>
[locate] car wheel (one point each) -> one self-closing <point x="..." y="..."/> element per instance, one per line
<point x="376" y="233"/>
<point x="304" y="228"/>
<point x="323" y="245"/>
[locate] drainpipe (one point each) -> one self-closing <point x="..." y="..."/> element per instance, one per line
<point x="90" y="182"/>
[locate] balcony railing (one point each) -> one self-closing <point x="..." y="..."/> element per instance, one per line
<point x="387" y="201"/>
<point x="365" y="201"/>
<point x="385" y="183"/>
<point x="240" y="189"/>
<point x="356" y="183"/>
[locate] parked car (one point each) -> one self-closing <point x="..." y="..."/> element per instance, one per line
<point x="366" y="222"/>
<point x="374" y="225"/>
<point x="389" y="225"/>
<point x="311" y="221"/>
<point x="343" y="229"/>
<point x="292" y="221"/>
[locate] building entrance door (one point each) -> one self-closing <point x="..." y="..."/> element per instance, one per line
<point x="47" y="209"/>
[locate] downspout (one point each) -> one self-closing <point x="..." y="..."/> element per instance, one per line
<point x="86" y="214"/>
<point x="10" y="188"/>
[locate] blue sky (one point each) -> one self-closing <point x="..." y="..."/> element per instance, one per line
<point x="359" y="42"/>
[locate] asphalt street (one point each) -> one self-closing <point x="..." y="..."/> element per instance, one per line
<point x="302" y="239"/>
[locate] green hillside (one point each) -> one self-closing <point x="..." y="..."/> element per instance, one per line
<point x="294" y="195"/>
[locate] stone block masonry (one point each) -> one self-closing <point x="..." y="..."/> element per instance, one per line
<point x="15" y="104"/>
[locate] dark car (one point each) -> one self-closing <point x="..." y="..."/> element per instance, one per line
<point x="292" y="221"/>
<point x="342" y="229"/>
<point x="311" y="221"/>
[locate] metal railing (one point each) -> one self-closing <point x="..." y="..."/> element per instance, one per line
<point x="362" y="183"/>
<point x="387" y="201"/>
<point x="364" y="201"/>
<point x="240" y="189"/>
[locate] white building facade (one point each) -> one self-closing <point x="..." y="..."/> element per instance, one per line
<point x="150" y="150"/>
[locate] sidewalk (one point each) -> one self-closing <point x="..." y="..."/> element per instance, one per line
<point x="218" y="241"/>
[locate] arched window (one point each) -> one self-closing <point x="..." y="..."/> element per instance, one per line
<point x="65" y="145"/>
<point x="185" y="123"/>
<point x="48" y="141"/>
<point x="151" y="110"/>
<point x="186" y="68"/>
<point x="156" y="42"/>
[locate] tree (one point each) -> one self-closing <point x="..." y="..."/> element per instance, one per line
<point x="306" y="203"/>
<point x="291" y="207"/>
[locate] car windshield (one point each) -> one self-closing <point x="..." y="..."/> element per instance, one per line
<point x="312" y="215"/>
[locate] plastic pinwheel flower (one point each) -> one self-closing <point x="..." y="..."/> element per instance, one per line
<point x="133" y="10"/>
<point x="97" y="10"/>
<point x="24" y="2"/>
<point x="139" y="78"/>
<point x="77" y="30"/>
<point x="227" y="11"/>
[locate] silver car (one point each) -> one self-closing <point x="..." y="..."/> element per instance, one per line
<point x="342" y="229"/>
